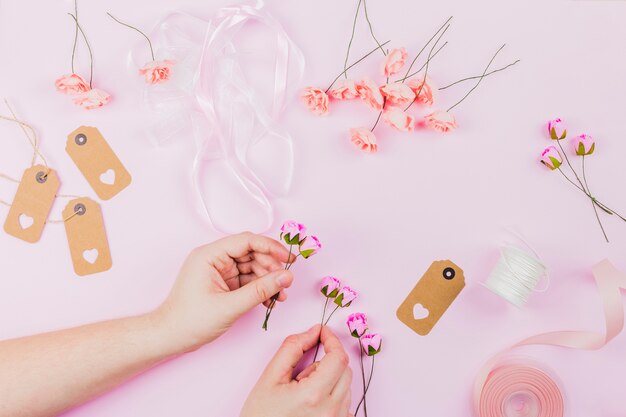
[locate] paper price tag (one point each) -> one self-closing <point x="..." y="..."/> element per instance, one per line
<point x="32" y="203"/>
<point x="431" y="296"/>
<point x="98" y="163"/>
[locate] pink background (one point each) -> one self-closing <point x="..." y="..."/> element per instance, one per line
<point x="383" y="219"/>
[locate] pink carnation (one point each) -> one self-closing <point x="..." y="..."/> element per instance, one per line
<point x="330" y="286"/>
<point x="156" y="72"/>
<point x="551" y="158"/>
<point x="397" y="93"/>
<point x="357" y="323"/>
<point x="293" y="232"/>
<point x="364" y="139"/>
<point x="310" y="246"/>
<point x="421" y="86"/>
<point x="556" y="129"/>
<point x="441" y="121"/>
<point x="344" y="89"/>
<point x="345" y="297"/>
<point x="394" y="61"/>
<point x="398" y="119"/>
<point x="370" y="93"/>
<point x="371" y="344"/>
<point x="72" y="84"/>
<point x="584" y="145"/>
<point x="316" y="100"/>
<point x="92" y="99"/>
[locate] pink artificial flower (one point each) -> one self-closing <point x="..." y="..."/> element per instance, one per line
<point x="394" y="61"/>
<point x="155" y="72"/>
<point x="364" y="139"/>
<point x="345" y="297"/>
<point x="441" y="121"/>
<point x="92" y="99"/>
<point x="72" y="84"/>
<point x="315" y="100"/>
<point x="310" y="246"/>
<point x="357" y="323"/>
<point x="370" y="93"/>
<point x="551" y="158"/>
<point x="556" y="129"/>
<point x="371" y="344"/>
<point x="584" y="145"/>
<point x="330" y="286"/>
<point x="398" y="119"/>
<point x="292" y="232"/>
<point x="397" y="93"/>
<point x="418" y="85"/>
<point x="344" y="89"/>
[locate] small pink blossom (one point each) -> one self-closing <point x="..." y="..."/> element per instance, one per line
<point x="371" y="344"/>
<point x="92" y="99"/>
<point x="155" y="72"/>
<point x="394" y="61"/>
<point x="584" y="145"/>
<point x="310" y="246"/>
<point x="423" y="88"/>
<point x="72" y="84"/>
<point x="398" y="119"/>
<point x="292" y="232"/>
<point x="357" y="323"/>
<point x="370" y="93"/>
<point x="315" y="100"/>
<point x="441" y="121"/>
<point x="330" y="286"/>
<point x="364" y="139"/>
<point x="556" y="129"/>
<point x="345" y="297"/>
<point x="551" y="158"/>
<point x="397" y="93"/>
<point x="344" y="89"/>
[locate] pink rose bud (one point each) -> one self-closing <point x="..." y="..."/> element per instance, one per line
<point x="364" y="139"/>
<point x="584" y="145"/>
<point x="394" y="61"/>
<point x="357" y="323"/>
<point x="345" y="297"/>
<point x="156" y="72"/>
<point x="370" y="93"/>
<point x="423" y="88"/>
<point x="310" y="246"/>
<point x="330" y="286"/>
<point x="72" y="84"/>
<point x="397" y="93"/>
<point x="315" y="100"/>
<point x="292" y="232"/>
<point x="441" y="121"/>
<point x="398" y="119"/>
<point x="92" y="99"/>
<point x="551" y="158"/>
<point x="556" y="129"/>
<point x="344" y="90"/>
<point x="371" y="344"/>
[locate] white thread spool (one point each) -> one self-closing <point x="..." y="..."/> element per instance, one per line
<point x="516" y="275"/>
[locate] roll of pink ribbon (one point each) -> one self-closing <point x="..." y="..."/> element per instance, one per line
<point x="518" y="390"/>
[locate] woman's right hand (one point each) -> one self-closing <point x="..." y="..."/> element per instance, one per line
<point x="321" y="390"/>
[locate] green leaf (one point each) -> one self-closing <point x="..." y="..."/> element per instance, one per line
<point x="306" y="253"/>
<point x="555" y="162"/>
<point x="339" y="300"/>
<point x="371" y="351"/>
<point x="564" y="135"/>
<point x="334" y="293"/>
<point x="553" y="134"/>
<point x="593" y="148"/>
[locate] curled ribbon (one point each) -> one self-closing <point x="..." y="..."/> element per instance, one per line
<point x="488" y="388"/>
<point x="243" y="156"/>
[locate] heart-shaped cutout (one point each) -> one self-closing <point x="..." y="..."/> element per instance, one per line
<point x="90" y="255"/>
<point x="25" y="221"/>
<point x="108" y="177"/>
<point x="420" y="312"/>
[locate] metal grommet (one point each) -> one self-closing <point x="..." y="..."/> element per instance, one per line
<point x="41" y="177"/>
<point x="449" y="273"/>
<point x="80" y="139"/>
<point x="80" y="209"/>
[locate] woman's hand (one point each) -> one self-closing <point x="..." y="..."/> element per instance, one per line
<point x="321" y="390"/>
<point x="220" y="282"/>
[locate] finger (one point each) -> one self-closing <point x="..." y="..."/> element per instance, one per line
<point x="306" y="372"/>
<point x="254" y="267"/>
<point x="282" y="296"/>
<point x="344" y="408"/>
<point x="268" y="262"/>
<point x="332" y="365"/>
<point x="280" y="368"/>
<point x="259" y="290"/>
<point x="342" y="388"/>
<point x="237" y="246"/>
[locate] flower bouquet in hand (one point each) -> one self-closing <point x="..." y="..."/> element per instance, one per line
<point x="294" y="235"/>
<point x="583" y="146"/>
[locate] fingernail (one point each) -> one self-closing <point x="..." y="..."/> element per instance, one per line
<point x="283" y="279"/>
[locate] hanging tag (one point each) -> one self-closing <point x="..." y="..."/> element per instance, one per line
<point x="431" y="297"/>
<point x="86" y="236"/>
<point x="32" y="203"/>
<point x="96" y="160"/>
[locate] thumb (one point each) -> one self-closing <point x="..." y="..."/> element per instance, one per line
<point x="260" y="290"/>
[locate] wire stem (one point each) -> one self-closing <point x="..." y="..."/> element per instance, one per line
<point x="406" y="75"/>
<point x="317" y="348"/>
<point x="88" y="47"/>
<point x="353" y="64"/>
<point x="478" y="76"/>
<point x="134" y="28"/>
<point x="345" y="63"/>
<point x="75" y="34"/>
<point x="371" y="29"/>
<point x="593" y="204"/>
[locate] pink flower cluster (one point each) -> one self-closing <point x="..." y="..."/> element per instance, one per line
<point x="392" y="99"/>
<point x="332" y="289"/>
<point x="294" y="233"/>
<point x="370" y="343"/>
<point x="156" y="72"/>
<point x="551" y="157"/>
<point x="84" y="96"/>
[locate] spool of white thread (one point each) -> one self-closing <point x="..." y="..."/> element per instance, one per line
<point x="516" y="275"/>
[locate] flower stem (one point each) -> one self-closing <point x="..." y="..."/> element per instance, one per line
<point x="400" y="80"/>
<point x="479" y="80"/>
<point x="134" y="28"/>
<point x="366" y="386"/>
<point x="331" y="314"/>
<point x="317" y="348"/>
<point x="345" y="63"/>
<point x="270" y="307"/>
<point x="362" y="377"/>
<point x="478" y="76"/>
<point x="352" y="65"/>
<point x="595" y="210"/>
<point x="569" y="164"/>
<point x="406" y="75"/>
<point x="88" y="47"/>
<point x="371" y="29"/>
<point x="75" y="34"/>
